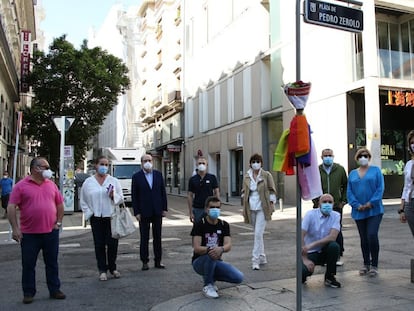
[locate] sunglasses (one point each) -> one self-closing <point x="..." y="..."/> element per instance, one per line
<point x="201" y="163"/>
<point x="363" y="156"/>
<point x="327" y="201"/>
<point x="103" y="164"/>
<point x="256" y="161"/>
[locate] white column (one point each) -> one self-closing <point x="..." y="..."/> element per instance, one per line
<point x="372" y="106"/>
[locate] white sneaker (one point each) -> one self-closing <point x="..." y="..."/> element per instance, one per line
<point x="255" y="266"/>
<point x="103" y="277"/>
<point x="116" y="274"/>
<point x="263" y="259"/>
<point x="339" y="263"/>
<point x="209" y="291"/>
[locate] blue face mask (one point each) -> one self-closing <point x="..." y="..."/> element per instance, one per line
<point x="102" y="169"/>
<point x="328" y="160"/>
<point x="326" y="208"/>
<point x="214" y="213"/>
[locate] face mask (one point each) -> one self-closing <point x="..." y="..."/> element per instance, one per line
<point x="202" y="167"/>
<point x="214" y="213"/>
<point x="102" y="169"/>
<point x="5" y="176"/>
<point x="326" y="208"/>
<point x="47" y="174"/>
<point x="256" y="166"/>
<point x="328" y="160"/>
<point x="363" y="161"/>
<point x="148" y="165"/>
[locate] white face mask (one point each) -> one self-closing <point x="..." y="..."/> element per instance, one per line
<point x="256" y="166"/>
<point x="363" y="161"/>
<point x="47" y="174"/>
<point x="202" y="167"/>
<point x="148" y="165"/>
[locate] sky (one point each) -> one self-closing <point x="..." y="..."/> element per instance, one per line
<point x="75" y="17"/>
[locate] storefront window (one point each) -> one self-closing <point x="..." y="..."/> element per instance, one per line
<point x="392" y="152"/>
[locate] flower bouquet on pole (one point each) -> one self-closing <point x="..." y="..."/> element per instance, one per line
<point x="298" y="93"/>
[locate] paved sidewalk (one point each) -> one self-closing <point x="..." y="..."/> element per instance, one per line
<point x="391" y="290"/>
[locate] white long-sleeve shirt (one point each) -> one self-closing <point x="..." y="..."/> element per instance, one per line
<point x="408" y="182"/>
<point x="95" y="200"/>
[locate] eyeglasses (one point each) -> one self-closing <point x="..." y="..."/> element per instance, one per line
<point x="201" y="163"/>
<point x="256" y="161"/>
<point x="44" y="166"/>
<point x="327" y="201"/>
<point x="103" y="164"/>
<point x="363" y="156"/>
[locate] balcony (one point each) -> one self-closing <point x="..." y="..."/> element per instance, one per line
<point x="148" y="119"/>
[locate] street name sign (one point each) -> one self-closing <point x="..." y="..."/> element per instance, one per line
<point x="334" y="16"/>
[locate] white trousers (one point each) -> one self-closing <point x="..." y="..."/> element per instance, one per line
<point x="259" y="225"/>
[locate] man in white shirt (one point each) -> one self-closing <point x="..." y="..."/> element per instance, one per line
<point x="320" y="228"/>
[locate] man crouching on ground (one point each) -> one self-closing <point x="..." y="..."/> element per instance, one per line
<point x="211" y="238"/>
<point x="320" y="228"/>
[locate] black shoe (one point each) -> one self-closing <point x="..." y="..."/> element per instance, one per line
<point x="57" y="295"/>
<point x="159" y="266"/>
<point x="332" y="282"/>
<point x="144" y="266"/>
<point x="27" y="299"/>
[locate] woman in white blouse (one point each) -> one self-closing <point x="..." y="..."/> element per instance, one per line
<point x="406" y="210"/>
<point x="259" y="198"/>
<point x="99" y="194"/>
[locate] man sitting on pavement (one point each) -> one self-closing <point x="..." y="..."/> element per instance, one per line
<point x="320" y="228"/>
<point x="211" y="239"/>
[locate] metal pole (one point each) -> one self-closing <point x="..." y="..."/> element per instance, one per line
<point x="62" y="151"/>
<point x="298" y="192"/>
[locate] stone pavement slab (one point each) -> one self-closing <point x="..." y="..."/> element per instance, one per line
<point x="391" y="290"/>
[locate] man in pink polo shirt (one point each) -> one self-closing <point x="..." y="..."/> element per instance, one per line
<point x="41" y="211"/>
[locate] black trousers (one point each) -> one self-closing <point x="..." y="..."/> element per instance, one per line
<point x="144" y="229"/>
<point x="106" y="247"/>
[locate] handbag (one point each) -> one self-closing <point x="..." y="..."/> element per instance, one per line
<point x="122" y="222"/>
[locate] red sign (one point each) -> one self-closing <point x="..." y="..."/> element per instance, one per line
<point x="400" y="98"/>
<point x="25" y="60"/>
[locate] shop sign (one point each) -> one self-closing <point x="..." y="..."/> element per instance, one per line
<point x="174" y="148"/>
<point x="333" y="16"/>
<point x="24" y="60"/>
<point x="400" y="98"/>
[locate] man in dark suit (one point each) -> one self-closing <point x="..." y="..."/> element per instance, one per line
<point x="149" y="200"/>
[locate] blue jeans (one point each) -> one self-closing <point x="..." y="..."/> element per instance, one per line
<point x="368" y="233"/>
<point x="106" y="247"/>
<point x="216" y="270"/>
<point x="31" y="245"/>
<point x="198" y="214"/>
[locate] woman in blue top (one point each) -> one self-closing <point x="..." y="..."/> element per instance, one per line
<point x="365" y="190"/>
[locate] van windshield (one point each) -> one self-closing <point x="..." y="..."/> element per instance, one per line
<point x="125" y="171"/>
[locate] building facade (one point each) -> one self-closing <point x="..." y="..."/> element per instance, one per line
<point x="361" y="84"/>
<point x="16" y="17"/>
<point x="160" y="103"/>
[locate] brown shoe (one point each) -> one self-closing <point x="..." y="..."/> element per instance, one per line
<point x="58" y="295"/>
<point x="27" y="299"/>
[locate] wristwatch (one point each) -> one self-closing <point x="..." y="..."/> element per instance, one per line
<point x="59" y="224"/>
<point x="401" y="211"/>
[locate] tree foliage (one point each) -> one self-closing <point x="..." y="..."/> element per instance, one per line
<point x="84" y="84"/>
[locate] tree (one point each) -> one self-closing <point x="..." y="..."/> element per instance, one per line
<point x="84" y="84"/>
